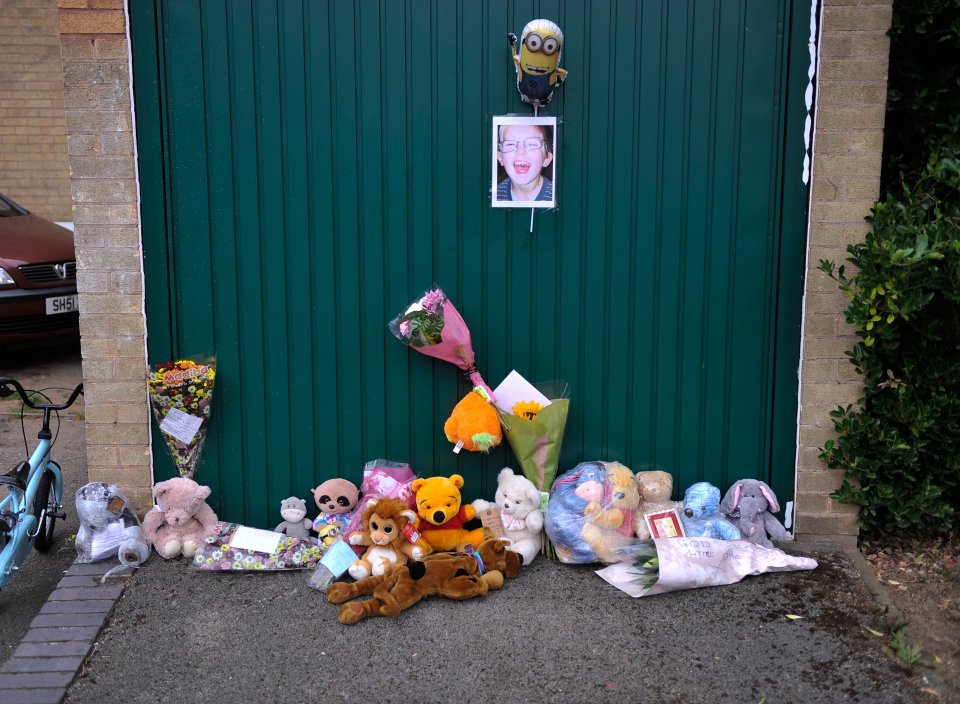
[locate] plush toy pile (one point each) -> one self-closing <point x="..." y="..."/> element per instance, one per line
<point x="597" y="511"/>
<point x="402" y="538"/>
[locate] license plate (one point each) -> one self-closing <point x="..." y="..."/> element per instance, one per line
<point x="62" y="304"/>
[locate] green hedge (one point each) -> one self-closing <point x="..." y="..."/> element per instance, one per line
<point x="900" y="448"/>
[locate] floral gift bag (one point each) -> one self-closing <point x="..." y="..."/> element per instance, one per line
<point x="218" y="554"/>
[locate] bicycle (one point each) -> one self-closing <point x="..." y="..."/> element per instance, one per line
<point x="29" y="511"/>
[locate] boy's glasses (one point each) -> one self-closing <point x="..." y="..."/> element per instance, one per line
<point x="531" y="144"/>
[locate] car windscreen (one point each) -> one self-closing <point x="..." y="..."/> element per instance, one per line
<point x="8" y="209"/>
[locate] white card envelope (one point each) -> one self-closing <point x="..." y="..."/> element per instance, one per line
<point x="180" y="425"/>
<point x="245" y="538"/>
<point x="515" y="388"/>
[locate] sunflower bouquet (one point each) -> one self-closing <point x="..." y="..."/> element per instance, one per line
<point x="180" y="396"/>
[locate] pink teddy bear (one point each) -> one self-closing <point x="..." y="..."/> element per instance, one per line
<point x="181" y="519"/>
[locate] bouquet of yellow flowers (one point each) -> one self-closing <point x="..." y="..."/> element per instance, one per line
<point x="180" y="396"/>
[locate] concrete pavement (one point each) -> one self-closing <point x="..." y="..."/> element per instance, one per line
<point x="557" y="633"/>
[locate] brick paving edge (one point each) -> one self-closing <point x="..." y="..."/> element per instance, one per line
<point x="71" y="619"/>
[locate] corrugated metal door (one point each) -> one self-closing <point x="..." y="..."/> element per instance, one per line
<point x="307" y="168"/>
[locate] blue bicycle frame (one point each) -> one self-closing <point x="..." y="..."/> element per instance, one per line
<point x="24" y="523"/>
<point x="20" y="503"/>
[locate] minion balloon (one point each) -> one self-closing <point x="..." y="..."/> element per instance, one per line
<point x="537" y="72"/>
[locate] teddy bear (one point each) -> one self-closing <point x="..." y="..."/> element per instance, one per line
<point x="335" y="498"/>
<point x="750" y="505"/>
<point x="454" y="575"/>
<point x="474" y="422"/>
<point x="295" y="524"/>
<point x="390" y="536"/>
<point x="518" y="500"/>
<point x="181" y="518"/>
<point x="446" y="524"/>
<point x="109" y="527"/>
<point x="608" y="526"/>
<point x="701" y="514"/>
<point x="563" y="521"/>
<point x="655" y="488"/>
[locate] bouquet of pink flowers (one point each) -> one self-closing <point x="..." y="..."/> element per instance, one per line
<point x="433" y="326"/>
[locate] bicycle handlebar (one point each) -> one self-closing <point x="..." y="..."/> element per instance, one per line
<point x="6" y="390"/>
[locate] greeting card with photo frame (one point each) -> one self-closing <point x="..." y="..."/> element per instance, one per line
<point x="664" y="524"/>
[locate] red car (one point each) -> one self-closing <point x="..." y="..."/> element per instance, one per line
<point x="38" y="279"/>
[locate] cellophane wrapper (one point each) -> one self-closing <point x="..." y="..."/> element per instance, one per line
<point x="382" y="479"/>
<point x="186" y="386"/>
<point x="582" y="519"/>
<point x="691" y="563"/>
<point x="433" y="326"/>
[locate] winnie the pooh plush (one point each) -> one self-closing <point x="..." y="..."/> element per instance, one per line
<point x="474" y="422"/>
<point x="608" y="526"/>
<point x="181" y="519"/>
<point x="446" y="524"/>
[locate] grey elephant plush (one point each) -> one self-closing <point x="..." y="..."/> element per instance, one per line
<point x="750" y="504"/>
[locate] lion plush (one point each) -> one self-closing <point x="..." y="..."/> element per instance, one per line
<point x="387" y="537"/>
<point x="446" y="524"/>
<point x="453" y="575"/>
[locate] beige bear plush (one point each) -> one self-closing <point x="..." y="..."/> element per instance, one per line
<point x="655" y="488"/>
<point x="181" y="518"/>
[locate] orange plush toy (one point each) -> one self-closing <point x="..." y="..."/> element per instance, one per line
<point x="474" y="422"/>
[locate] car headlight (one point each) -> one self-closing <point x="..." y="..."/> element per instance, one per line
<point x="5" y="278"/>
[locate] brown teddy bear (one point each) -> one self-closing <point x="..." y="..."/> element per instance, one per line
<point x="655" y="488"/>
<point x="181" y="519"/>
<point x="453" y="575"/>
<point x="608" y="526"/>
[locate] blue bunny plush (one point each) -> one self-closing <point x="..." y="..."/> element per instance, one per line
<point x="701" y="514"/>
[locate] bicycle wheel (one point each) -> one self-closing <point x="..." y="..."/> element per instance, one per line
<point x="44" y="500"/>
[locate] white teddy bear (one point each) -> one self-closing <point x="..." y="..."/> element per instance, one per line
<point x="518" y="500"/>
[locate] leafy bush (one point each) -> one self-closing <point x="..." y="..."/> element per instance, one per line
<point x="900" y="448"/>
<point x="923" y="93"/>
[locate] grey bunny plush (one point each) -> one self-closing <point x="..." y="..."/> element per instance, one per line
<point x="750" y="504"/>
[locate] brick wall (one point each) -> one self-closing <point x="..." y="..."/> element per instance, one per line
<point x="100" y="147"/>
<point x="33" y="132"/>
<point x="848" y="143"/>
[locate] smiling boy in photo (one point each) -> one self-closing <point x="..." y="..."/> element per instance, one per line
<point x="524" y="151"/>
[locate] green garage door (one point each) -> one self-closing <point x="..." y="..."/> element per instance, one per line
<point x="308" y="167"/>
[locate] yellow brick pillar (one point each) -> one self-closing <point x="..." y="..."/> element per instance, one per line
<point x="848" y="142"/>
<point x="95" y="55"/>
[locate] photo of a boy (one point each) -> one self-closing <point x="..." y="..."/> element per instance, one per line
<point x="524" y="162"/>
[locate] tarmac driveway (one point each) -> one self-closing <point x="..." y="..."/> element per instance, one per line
<point x="557" y="633"/>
